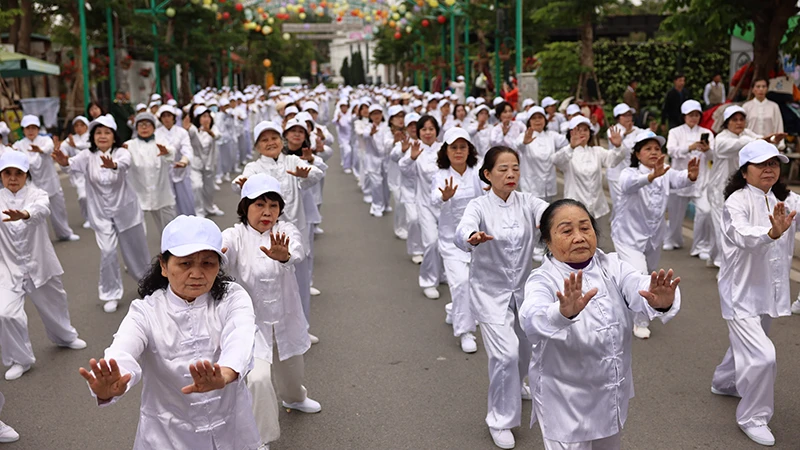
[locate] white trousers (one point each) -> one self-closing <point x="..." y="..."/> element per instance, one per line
<point x="226" y="158"/>
<point x="457" y="273"/>
<point x="703" y="230"/>
<point x="162" y="217"/>
<point x="399" y="212"/>
<point x="203" y="190"/>
<point x="414" y="241"/>
<point x="676" y="210"/>
<point x="609" y="443"/>
<point x="716" y="200"/>
<point x="50" y="301"/>
<point x="58" y="216"/>
<point x="378" y="187"/>
<point x="615" y="193"/>
<point x="509" y="353"/>
<point x="135" y="253"/>
<point x="645" y="262"/>
<point x="265" y="402"/>
<point x="430" y="272"/>
<point x="347" y="154"/>
<point x="184" y="197"/>
<point x="303" y="272"/>
<point x="749" y="368"/>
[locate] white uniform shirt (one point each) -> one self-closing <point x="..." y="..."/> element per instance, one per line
<point x="111" y="202"/>
<point x="639" y="223"/>
<point x="149" y="174"/>
<point x="343" y="126"/>
<point x="726" y="156"/>
<point x="628" y="141"/>
<point x="374" y="145"/>
<point x="272" y="287"/>
<point x="451" y="211"/>
<point x="754" y="275"/>
<point x="583" y="174"/>
<point x="680" y="138"/>
<point x="157" y="340"/>
<point x="764" y="118"/>
<point x="537" y="170"/>
<point x="555" y="124"/>
<point x="515" y="130"/>
<point x="179" y="139"/>
<point x="43" y="170"/>
<point x="25" y="247"/>
<point x="204" y="147"/>
<point x="408" y="176"/>
<point x="580" y="371"/>
<point x="481" y="139"/>
<point x="423" y="167"/>
<point x="81" y="142"/>
<point x="498" y="268"/>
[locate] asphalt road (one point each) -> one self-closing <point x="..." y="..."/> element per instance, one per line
<point x="388" y="372"/>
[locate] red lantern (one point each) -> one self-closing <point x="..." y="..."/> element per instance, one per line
<point x="397" y="35"/>
<point x="240" y="7"/>
<point x="226" y="15"/>
<point x="441" y="20"/>
<point x="425" y="23"/>
<point x="339" y="19"/>
<point x="301" y="10"/>
<point x="222" y="1"/>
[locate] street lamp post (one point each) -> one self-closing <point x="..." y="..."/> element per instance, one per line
<point x="155" y="10"/>
<point x="112" y="69"/>
<point x="84" y="53"/>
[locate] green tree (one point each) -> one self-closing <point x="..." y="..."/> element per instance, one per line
<point x="345" y="71"/>
<point x="712" y="21"/>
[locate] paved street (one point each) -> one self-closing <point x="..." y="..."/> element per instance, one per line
<point x="388" y="372"/>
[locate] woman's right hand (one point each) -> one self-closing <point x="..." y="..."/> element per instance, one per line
<point x="528" y="136"/>
<point x="781" y="221"/>
<point x="660" y="169"/>
<point x="416" y="150"/>
<point x="59" y="157"/>
<point x="240" y="181"/>
<point x="479" y="238"/>
<point x="573" y="300"/>
<point x="105" y="379"/>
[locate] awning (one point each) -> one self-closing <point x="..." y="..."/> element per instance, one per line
<point x="17" y="65"/>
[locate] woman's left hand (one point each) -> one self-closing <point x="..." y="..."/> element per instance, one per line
<point x="300" y="172"/>
<point x="279" y="247"/>
<point x="208" y="377"/>
<point x="108" y="163"/>
<point x="14" y="215"/>
<point x="615" y="137"/>
<point x="662" y="289"/>
<point x="694" y="169"/>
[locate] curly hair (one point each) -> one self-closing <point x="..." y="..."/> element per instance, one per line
<point x="737" y="181"/>
<point x="636" y="149"/>
<point x="154" y="281"/>
<point x="93" y="147"/>
<point x="443" y="161"/>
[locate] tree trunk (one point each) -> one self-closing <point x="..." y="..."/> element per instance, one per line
<point x="587" y="39"/>
<point x="771" y="24"/>
<point x="186" y="88"/>
<point x="13" y="31"/>
<point x="24" y="42"/>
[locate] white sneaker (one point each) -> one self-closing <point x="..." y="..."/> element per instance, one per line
<point x="216" y="186"/>
<point x="526" y="392"/>
<point x="215" y="211"/>
<point x="71" y="238"/>
<point x="314" y="291"/>
<point x="716" y="391"/>
<point x="314" y="339"/>
<point x="376" y="212"/>
<point x="668" y="247"/>
<point x="468" y="344"/>
<point x="703" y="256"/>
<point x="367" y="199"/>
<point x="502" y="438"/>
<point x="431" y="292"/>
<point x="448" y="311"/>
<point x="760" y="435"/>
<point x="402" y="235"/>
<point x="16" y="371"/>
<point x="226" y="178"/>
<point x="417" y="259"/>
<point x="307" y="406"/>
<point x="318" y="230"/>
<point x="388" y="209"/>
<point x="348" y="171"/>
<point x="86" y="225"/>
<point x="110" y="306"/>
<point x="641" y="332"/>
<point x="796" y="307"/>
<point x="77" y="344"/>
<point x="8" y="434"/>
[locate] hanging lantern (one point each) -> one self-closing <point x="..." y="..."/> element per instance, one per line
<point x="397" y="35"/>
<point x="226" y="15"/>
<point x="302" y="16"/>
<point x="425" y="23"/>
<point x="409" y="29"/>
<point x="402" y="8"/>
<point x="270" y="21"/>
<point x="396" y="16"/>
<point x="267" y="63"/>
<point x="214" y="7"/>
<point x="441" y="20"/>
<point x="170" y="12"/>
<point x="267" y="30"/>
<point x="409" y="16"/>
<point x="449" y="2"/>
<point x="195" y="2"/>
<point x="239" y="7"/>
<point x="286" y="36"/>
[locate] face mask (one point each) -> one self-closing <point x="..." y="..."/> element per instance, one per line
<point x="214" y="108"/>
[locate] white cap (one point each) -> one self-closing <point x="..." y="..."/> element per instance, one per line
<point x="166" y="109"/>
<point x="144" y="116"/>
<point x="548" y="101"/>
<point x="290" y="110"/>
<point x="200" y="110"/>
<point x="155" y="98"/>
<point x="187" y="235"/>
<point x="573" y="109"/>
<point x="295" y="122"/>
<point x="395" y="110"/>
<point x="264" y="126"/>
<point x="480" y="108"/>
<point x="153" y="104"/>
<point x="304" y="117"/>
<point x="411" y="117"/>
<point x="460" y="78"/>
<point x="29" y="120"/>
<point x="374" y="108"/>
<point x="81" y="119"/>
<point x="454" y="134"/>
<point x="731" y="110"/>
<point x="13" y="158"/>
<point x="140" y="106"/>
<point x="497" y="101"/>
<point x="259" y="184"/>
<point x="447" y="93"/>
<point x="759" y="151"/>
<point x="416" y="104"/>
<point x="622" y="108"/>
<point x="470" y="99"/>
<point x="310" y="106"/>
<point x="173" y="102"/>
<point x="106" y="121"/>
<point x="536" y="110"/>
<point x="647" y="135"/>
<point x="480" y="101"/>
<point x="527" y="102"/>
<point x="224" y="102"/>
<point x="577" y="120"/>
<point x="691" y="105"/>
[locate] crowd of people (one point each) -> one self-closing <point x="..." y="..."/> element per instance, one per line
<point x="472" y="188"/>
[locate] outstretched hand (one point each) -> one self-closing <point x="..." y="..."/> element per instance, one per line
<point x="661" y="293"/>
<point x="615" y="137"/>
<point x="660" y="169"/>
<point x="14" y="215"/>
<point x="449" y="189"/>
<point x="572" y="301"/>
<point x="300" y="172"/>
<point x="105" y="379"/>
<point x="279" y="247"/>
<point x="206" y="377"/>
<point x="694" y="169"/>
<point x="60" y="158"/>
<point x="240" y="181"/>
<point x="416" y="150"/>
<point x="162" y="150"/>
<point x="780" y="220"/>
<point x="479" y="238"/>
<point x="107" y="162"/>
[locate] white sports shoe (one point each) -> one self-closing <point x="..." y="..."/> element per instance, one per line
<point x="367" y="199"/>
<point x="86" y="225"/>
<point x="703" y="256"/>
<point x="641" y="332"/>
<point x="716" y="391"/>
<point x="16" y="371"/>
<point x="77" y="344"/>
<point x="760" y="435"/>
<point x="314" y="291"/>
<point x="215" y="211"/>
<point x="318" y="230"/>
<point x="314" y="339"/>
<point x="8" y="434"/>
<point x="110" y="306"/>
<point x="526" y="392"/>
<point x="502" y="438"/>
<point x="417" y="259"/>
<point x="668" y="247"/>
<point x="468" y="344"/>
<point x="448" y="311"/>
<point x="796" y="307"/>
<point x="431" y="292"/>
<point x="307" y="406"/>
<point x="71" y="238"/>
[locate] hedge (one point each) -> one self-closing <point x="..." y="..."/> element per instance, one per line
<point x="652" y="63"/>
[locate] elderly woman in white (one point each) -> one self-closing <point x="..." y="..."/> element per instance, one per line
<point x="759" y="223"/>
<point x="639" y="226"/>
<point x="583" y="165"/>
<point x="204" y="136"/>
<point x="497" y="229"/>
<point x="480" y="130"/>
<point x="577" y="315"/>
<point x="178" y="138"/>
<point x="507" y="129"/>
<point x="624" y="126"/>
<point x="77" y="141"/>
<point x="408" y="189"/>
<point x="537" y="148"/>
<point x="190" y="341"/>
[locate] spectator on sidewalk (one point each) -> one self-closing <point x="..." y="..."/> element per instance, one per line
<point x="671" y="113"/>
<point x="714" y="93"/>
